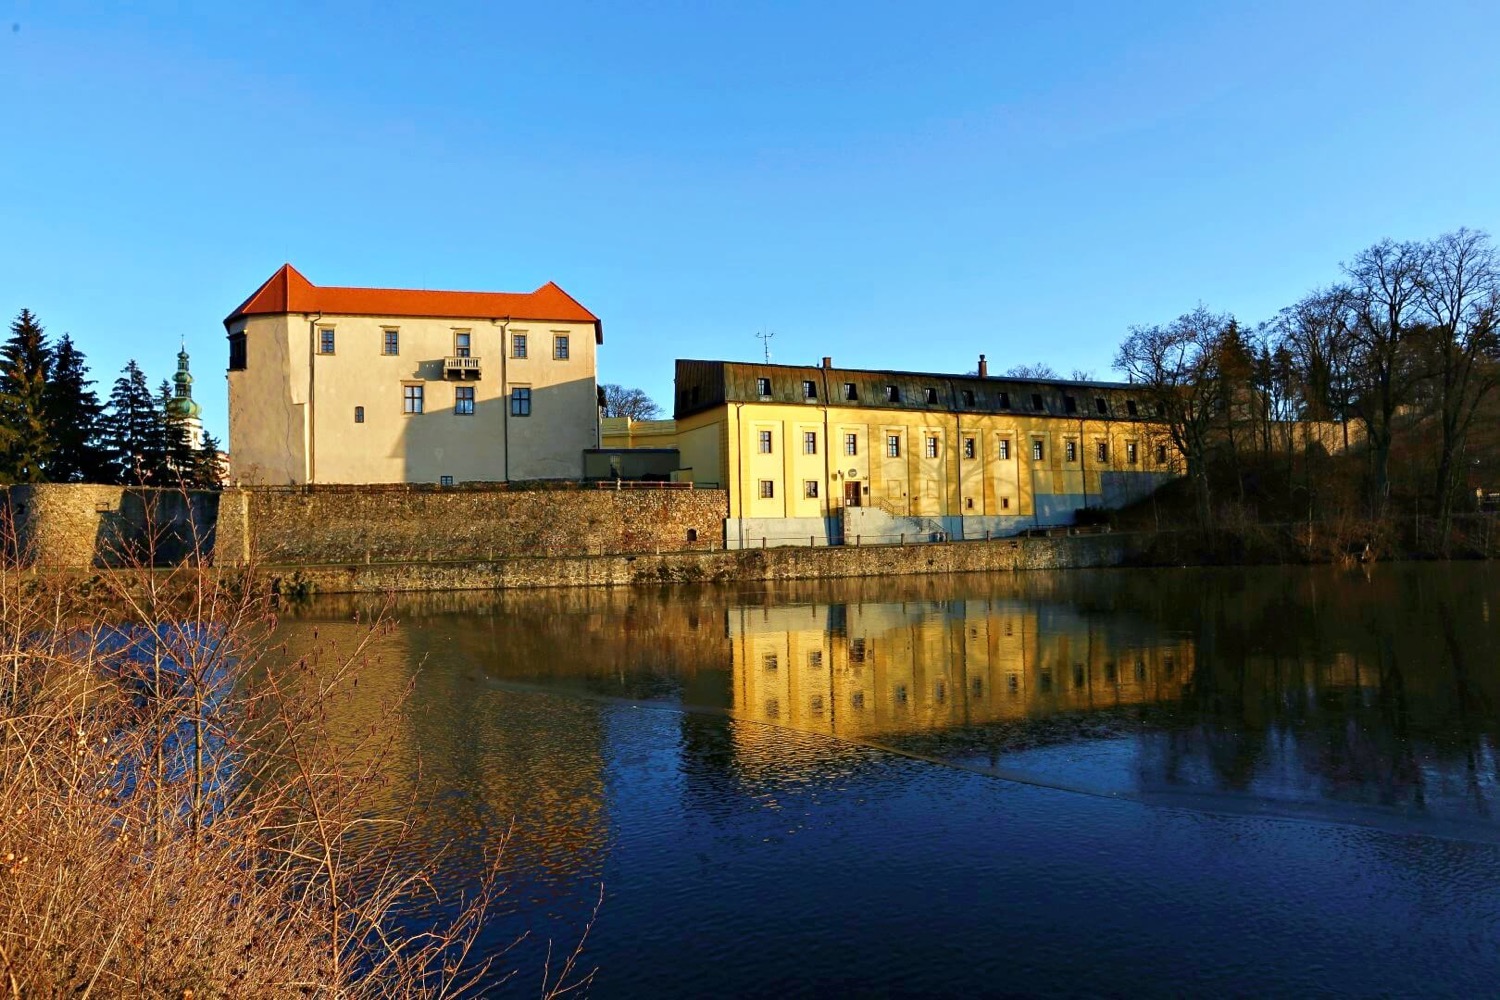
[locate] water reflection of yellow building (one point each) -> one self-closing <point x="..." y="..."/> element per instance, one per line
<point x="871" y="669"/>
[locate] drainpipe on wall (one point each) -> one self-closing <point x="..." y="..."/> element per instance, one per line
<point x="827" y="456"/>
<point x="739" y="469"/>
<point x="504" y="394"/>
<point x="310" y="432"/>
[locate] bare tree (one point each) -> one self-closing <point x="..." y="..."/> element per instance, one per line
<point x="1082" y="375"/>
<point x="1039" y="370"/>
<point x="1460" y="292"/>
<point x="1385" y="296"/>
<point x="620" y="401"/>
<point x="1177" y="367"/>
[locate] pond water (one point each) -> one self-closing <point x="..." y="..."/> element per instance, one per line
<point x="1258" y="781"/>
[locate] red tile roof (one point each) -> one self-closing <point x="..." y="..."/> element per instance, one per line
<point x="287" y="291"/>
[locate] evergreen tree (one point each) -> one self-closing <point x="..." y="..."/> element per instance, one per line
<point x="75" y="418"/>
<point x="25" y="366"/>
<point x="208" y="471"/>
<point x="133" y="438"/>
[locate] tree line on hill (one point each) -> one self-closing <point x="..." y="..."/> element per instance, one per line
<point x="54" y="428"/>
<point x="1405" y="343"/>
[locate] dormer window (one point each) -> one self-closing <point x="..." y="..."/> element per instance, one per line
<point x="809" y="389"/>
<point x="968" y="397"/>
<point x="892" y="394"/>
<point x="851" y="392"/>
<point x="929" y="396"/>
<point x="1101" y="405"/>
<point x="1070" y="404"/>
<point x="763" y="387"/>
<point x="1036" y="402"/>
<point x="1005" y="401"/>
<point x="1130" y="407"/>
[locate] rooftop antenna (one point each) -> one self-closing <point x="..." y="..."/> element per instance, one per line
<point x="765" y="339"/>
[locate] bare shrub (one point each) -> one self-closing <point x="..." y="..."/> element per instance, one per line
<point x="178" y="818"/>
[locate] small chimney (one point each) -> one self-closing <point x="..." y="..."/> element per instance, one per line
<point x="984" y="367"/>
<point x="827" y="362"/>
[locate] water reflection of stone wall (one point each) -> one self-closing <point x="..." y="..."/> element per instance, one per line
<point x="871" y="670"/>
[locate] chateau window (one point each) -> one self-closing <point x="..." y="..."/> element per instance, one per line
<point x="518" y="345"/>
<point x="1130" y="408"/>
<point x="1101" y="452"/>
<point x="461" y="343"/>
<point x="929" y="396"/>
<point x="893" y="445"/>
<point x="1036" y="402"/>
<point x="767" y="489"/>
<point x="763" y="387"/>
<point x="463" y="400"/>
<point x="236" y="352"/>
<point x="765" y="442"/>
<point x="1070" y="404"/>
<point x="411" y="399"/>
<point x="851" y="392"/>
<point x="968" y="395"/>
<point x="359" y="414"/>
<point x="1100" y="405"/>
<point x="1005" y="401"/>
<point x="851" y="444"/>
<point x="325" y="340"/>
<point x="809" y="390"/>
<point x="809" y="442"/>
<point x="931" y="447"/>
<point x="969" y="449"/>
<point x="391" y="343"/>
<point x="1005" y="449"/>
<point x="445" y="480"/>
<point x="1070" y="451"/>
<point x="1005" y="503"/>
<point x="892" y="394"/>
<point x="1038" y="450"/>
<point x="560" y="347"/>
<point x="520" y="401"/>
<point x="810" y="489"/>
<point x="1130" y="452"/>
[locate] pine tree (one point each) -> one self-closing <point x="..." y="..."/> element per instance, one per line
<point x="208" y="471"/>
<point x="25" y="366"/>
<point x="133" y="438"/>
<point x="75" y="418"/>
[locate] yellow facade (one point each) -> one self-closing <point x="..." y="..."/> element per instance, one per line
<point x="964" y="470"/>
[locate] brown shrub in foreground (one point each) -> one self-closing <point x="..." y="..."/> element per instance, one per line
<point x="177" y="820"/>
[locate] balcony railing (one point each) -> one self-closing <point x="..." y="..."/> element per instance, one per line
<point x="461" y="367"/>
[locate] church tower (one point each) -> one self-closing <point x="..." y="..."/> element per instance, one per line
<point x="182" y="405"/>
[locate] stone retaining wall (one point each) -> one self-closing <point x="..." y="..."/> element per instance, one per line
<point x="79" y="526"/>
<point x="1006" y="555"/>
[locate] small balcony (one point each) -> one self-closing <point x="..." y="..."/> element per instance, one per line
<point x="460" y="368"/>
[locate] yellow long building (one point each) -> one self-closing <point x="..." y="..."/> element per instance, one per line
<point x="823" y="455"/>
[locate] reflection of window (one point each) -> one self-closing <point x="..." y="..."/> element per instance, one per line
<point x="978" y="687"/>
<point x="857" y="651"/>
<point x="463" y="400"/>
<point x="520" y="402"/>
<point x="857" y="700"/>
<point x="815" y="659"/>
<point x="939" y="692"/>
<point x="1046" y="679"/>
<point x="1078" y="675"/>
<point x="769" y="661"/>
<point x="900" y="694"/>
<point x="773" y="708"/>
<point x="411" y="399"/>
<point x="815" y="704"/>
<point x="767" y="489"/>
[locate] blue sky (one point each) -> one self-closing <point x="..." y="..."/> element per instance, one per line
<point x="895" y="185"/>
